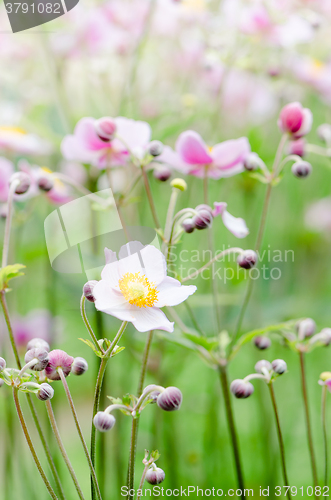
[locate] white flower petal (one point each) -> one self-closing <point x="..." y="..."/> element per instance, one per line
<point x="235" y="225"/>
<point x="111" y="274"/>
<point x="172" y="293"/>
<point x="151" y="318"/>
<point x="154" y="263"/>
<point x="130" y="264"/>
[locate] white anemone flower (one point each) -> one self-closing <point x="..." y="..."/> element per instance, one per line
<point x="135" y="287"/>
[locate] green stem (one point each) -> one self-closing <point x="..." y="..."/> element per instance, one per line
<point x="5" y="250"/>
<point x="31" y="447"/>
<point x="232" y="426"/>
<point x="87" y="324"/>
<point x="144" y="363"/>
<point x="324" y="393"/>
<point x="62" y="449"/>
<point x="280" y="438"/>
<point x="133" y="445"/>
<point x="150" y="198"/>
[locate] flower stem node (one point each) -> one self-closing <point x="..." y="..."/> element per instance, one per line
<point x="155" y="475"/>
<point x="24" y="182"/>
<point x="104" y="421"/>
<point x="162" y="173"/>
<point x="241" y="389"/>
<point x="58" y="359"/>
<point x="155" y="148"/>
<point x="105" y="128"/>
<point x="170" y="399"/>
<point x="279" y="366"/>
<point x="179" y="184"/>
<point x="305" y="328"/>
<point x="262" y="342"/>
<point x="38" y="343"/>
<point x="247" y="259"/>
<point x="45" y="392"/>
<point x="301" y="169"/>
<point x="88" y="290"/>
<point x="40" y="355"/>
<point x="251" y="162"/>
<point x="263" y="365"/>
<point x="79" y="366"/>
<point x="188" y="225"/>
<point x="2" y="364"/>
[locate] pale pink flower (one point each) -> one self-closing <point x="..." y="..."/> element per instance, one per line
<point x="16" y="140"/>
<point x="135" y="287"/>
<point x="37" y="323"/>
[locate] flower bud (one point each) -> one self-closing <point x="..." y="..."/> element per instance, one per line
<point x="325" y="376"/>
<point x="36" y="342"/>
<point x="162" y="173"/>
<point x="170" y="399"/>
<point x="79" y="366"/>
<point x="2" y="364"/>
<point x="88" y="290"/>
<point x="1" y="382"/>
<point x="279" y="366"/>
<point x="188" y="225"/>
<point x="24" y="182"/>
<point x="262" y="342"/>
<point x="105" y="128"/>
<point x="104" y="421"/>
<point x="306" y="328"/>
<point x="251" y="162"/>
<point x="58" y="359"/>
<point x="203" y="206"/>
<point x="247" y="259"/>
<point x="155" y="148"/>
<point x="179" y="184"/>
<point x="324" y="133"/>
<point x="45" y="392"/>
<point x="40" y="355"/>
<point x="297" y="147"/>
<point x="45" y="183"/>
<point x="301" y="169"/>
<point x="326" y="334"/>
<point x="295" y="120"/>
<point x="155" y="475"/>
<point x="241" y="389"/>
<point x="202" y="219"/>
<point x="262" y="365"/>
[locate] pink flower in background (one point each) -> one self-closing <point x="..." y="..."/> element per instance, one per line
<point x="295" y="120"/>
<point x="37" y="323"/>
<point x="87" y="146"/>
<point x="318" y="216"/>
<point x="6" y="171"/>
<point x="16" y="140"/>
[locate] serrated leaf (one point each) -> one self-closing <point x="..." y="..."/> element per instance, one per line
<point x="127" y="399"/>
<point x="117" y="351"/>
<point x="92" y="346"/>
<point x="155" y="455"/>
<point x="9" y="272"/>
<point x="115" y="401"/>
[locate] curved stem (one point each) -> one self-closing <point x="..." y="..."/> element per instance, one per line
<point x="324" y="393"/>
<point x="133" y="445"/>
<point x="169" y="220"/>
<point x="150" y="198"/>
<point x="142" y="481"/>
<point x="5" y="250"/>
<point x="31" y="447"/>
<point x="62" y="449"/>
<point x="214" y="259"/>
<point x="9" y="328"/>
<point x="280" y="438"/>
<point x="144" y="363"/>
<point x="79" y="430"/>
<point x="87" y="324"/>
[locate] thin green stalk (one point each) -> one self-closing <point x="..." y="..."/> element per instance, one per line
<point x="66" y="459"/>
<point x="31" y="447"/>
<point x="232" y="426"/>
<point x="324" y="393"/>
<point x="144" y="363"/>
<point x="193" y="319"/>
<point x="150" y="198"/>
<point x="141" y="484"/>
<point x="169" y="222"/>
<point x="5" y="250"/>
<point x="308" y="423"/>
<point x="133" y="446"/>
<point x="280" y="438"/>
<point x="87" y="324"/>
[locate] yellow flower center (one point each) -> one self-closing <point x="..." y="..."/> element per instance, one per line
<point x="13" y="130"/>
<point x="137" y="290"/>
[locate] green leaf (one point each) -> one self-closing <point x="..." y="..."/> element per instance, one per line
<point x="207" y="343"/>
<point x="155" y="455"/>
<point x="8" y="273"/>
<point x="259" y="177"/>
<point x="92" y="346"/>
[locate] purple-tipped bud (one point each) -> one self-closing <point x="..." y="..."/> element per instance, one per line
<point x="203" y="219"/>
<point x="58" y="359"/>
<point x="104" y="421"/>
<point x="263" y="365"/>
<point x="188" y="225"/>
<point x="45" y="183"/>
<point x="170" y="399"/>
<point x="40" y="355"/>
<point x="324" y="132"/>
<point x="105" y="128"/>
<point x="326" y="334"/>
<point x="241" y="389"/>
<point x="88" y="290"/>
<point x="251" y="162"/>
<point x="297" y="147"/>
<point x="36" y="342"/>
<point x="279" y="366"/>
<point x="306" y="328"/>
<point x="301" y="169"/>
<point x="79" y="366"/>
<point x="155" y="475"/>
<point x="262" y="342"/>
<point x="203" y="206"/>
<point x="155" y="148"/>
<point x="24" y="182"/>
<point x="45" y="392"/>
<point x="162" y="173"/>
<point x="2" y="364"/>
<point x="247" y="259"/>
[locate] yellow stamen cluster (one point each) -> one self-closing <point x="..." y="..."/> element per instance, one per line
<point x="13" y="130"/>
<point x="137" y="290"/>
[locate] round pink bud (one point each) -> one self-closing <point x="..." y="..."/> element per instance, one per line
<point x="170" y="399"/>
<point x="105" y="128"/>
<point x="247" y="259"/>
<point x="262" y="365"/>
<point x="241" y="389"/>
<point x="45" y="392"/>
<point x="188" y="225"/>
<point x="155" y="475"/>
<point x="79" y="366"/>
<point x="203" y="219"/>
<point x="279" y="366"/>
<point x="40" y="355"/>
<point x="104" y="421"/>
<point x="162" y="173"/>
<point x="88" y="290"/>
<point x="155" y="148"/>
<point x="262" y="342"/>
<point x="251" y="162"/>
<point x="2" y="364"/>
<point x="36" y="342"/>
<point x="297" y="147"/>
<point x="24" y="182"/>
<point x="58" y="359"/>
<point x="295" y="120"/>
<point x="301" y="169"/>
<point x="306" y="328"/>
<point x="45" y="183"/>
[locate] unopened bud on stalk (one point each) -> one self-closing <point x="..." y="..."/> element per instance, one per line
<point x="162" y="173"/>
<point x="324" y="132"/>
<point x="79" y="366"/>
<point x="297" y="147"/>
<point x="2" y="364"/>
<point x="179" y="184"/>
<point x="325" y="376"/>
<point x="241" y="389"/>
<point x="24" y="182"/>
<point x="326" y="336"/>
<point x="188" y="225"/>
<point x="58" y="359"/>
<point x="263" y="365"/>
<point x="301" y="169"/>
<point x="104" y="421"/>
<point x="45" y="392"/>
<point x="40" y="355"/>
<point x="155" y="475"/>
<point x="36" y="342"/>
<point x="45" y="183"/>
<point x="88" y="290"/>
<point x="202" y="219"/>
<point x="306" y="328"/>
<point x="155" y="148"/>
<point x="247" y="259"/>
<point x="279" y="366"/>
<point x="170" y="399"/>
<point x="251" y="162"/>
<point x="105" y="128"/>
<point x="262" y="342"/>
